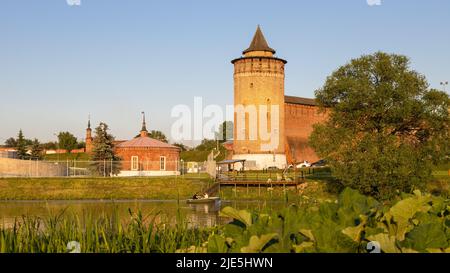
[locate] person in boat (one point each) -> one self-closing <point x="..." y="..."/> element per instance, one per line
<point x="205" y="196"/>
<point x="196" y="196"/>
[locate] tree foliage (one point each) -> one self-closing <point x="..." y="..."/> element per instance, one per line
<point x="36" y="150"/>
<point x="104" y="160"/>
<point x="182" y="147"/>
<point x="158" y="135"/>
<point x="11" y="142"/>
<point x="386" y="127"/>
<point x="21" y="146"/>
<point x="67" y="141"/>
<point x="51" y="145"/>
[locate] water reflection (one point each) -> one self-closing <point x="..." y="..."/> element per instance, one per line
<point x="205" y="215"/>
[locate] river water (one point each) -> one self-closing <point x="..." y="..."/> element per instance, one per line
<point x="204" y="215"/>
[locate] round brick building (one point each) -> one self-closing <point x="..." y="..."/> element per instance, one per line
<point x="145" y="156"/>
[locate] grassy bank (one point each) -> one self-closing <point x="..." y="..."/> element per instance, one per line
<point x="318" y="187"/>
<point x="101" y="188"/>
<point x="67" y="156"/>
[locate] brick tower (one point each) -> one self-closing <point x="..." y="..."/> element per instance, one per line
<point x="89" y="138"/>
<point x="259" y="106"/>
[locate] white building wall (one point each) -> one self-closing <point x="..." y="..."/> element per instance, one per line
<point x="262" y="161"/>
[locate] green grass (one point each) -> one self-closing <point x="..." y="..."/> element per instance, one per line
<point x="202" y="155"/>
<point x="158" y="188"/>
<point x="66" y="156"/>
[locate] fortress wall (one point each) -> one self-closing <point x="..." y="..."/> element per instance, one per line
<point x="299" y="121"/>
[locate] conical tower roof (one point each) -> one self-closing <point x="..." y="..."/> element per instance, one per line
<point x="259" y="43"/>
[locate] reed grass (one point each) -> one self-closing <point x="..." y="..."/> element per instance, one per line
<point x="153" y="233"/>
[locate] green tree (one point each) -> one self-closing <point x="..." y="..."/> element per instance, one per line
<point x="225" y="131"/>
<point x="21" y="146"/>
<point x="386" y="127"/>
<point x="104" y="160"/>
<point x="207" y="145"/>
<point x="67" y="141"/>
<point x="50" y="145"/>
<point x="11" y="142"/>
<point x="81" y="145"/>
<point x="158" y="135"/>
<point x="181" y="146"/>
<point x="36" y="150"/>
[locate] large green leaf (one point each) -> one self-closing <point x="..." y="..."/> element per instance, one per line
<point x="387" y="242"/>
<point x="217" y="244"/>
<point x="404" y="211"/>
<point x="427" y="236"/>
<point x="304" y="247"/>
<point x="352" y="204"/>
<point x="330" y="239"/>
<point x="355" y="232"/>
<point x="242" y="216"/>
<point x="307" y="233"/>
<point x="257" y="244"/>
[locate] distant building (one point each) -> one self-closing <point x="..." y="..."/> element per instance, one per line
<point x="144" y="156"/>
<point x="259" y="81"/>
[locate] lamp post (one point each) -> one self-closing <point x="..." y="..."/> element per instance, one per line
<point x="182" y="167"/>
<point x="444" y="85"/>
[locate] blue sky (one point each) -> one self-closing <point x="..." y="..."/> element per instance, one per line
<point x="116" y="58"/>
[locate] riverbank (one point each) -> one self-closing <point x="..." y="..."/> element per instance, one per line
<point x="160" y="188"/>
<point x="150" y="188"/>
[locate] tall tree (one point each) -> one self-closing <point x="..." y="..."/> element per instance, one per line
<point x="104" y="160"/>
<point x="67" y="141"/>
<point x="11" y="142"/>
<point x="225" y="132"/>
<point x="386" y="127"/>
<point x="21" y="146"/>
<point x="36" y="150"/>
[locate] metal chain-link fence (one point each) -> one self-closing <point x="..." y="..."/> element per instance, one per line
<point x="10" y="167"/>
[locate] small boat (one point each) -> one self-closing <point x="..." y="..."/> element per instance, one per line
<point x="203" y="200"/>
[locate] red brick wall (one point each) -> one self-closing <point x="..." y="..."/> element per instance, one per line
<point x="149" y="158"/>
<point x="299" y="120"/>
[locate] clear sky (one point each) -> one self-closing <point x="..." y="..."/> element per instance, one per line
<point x="116" y="58"/>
